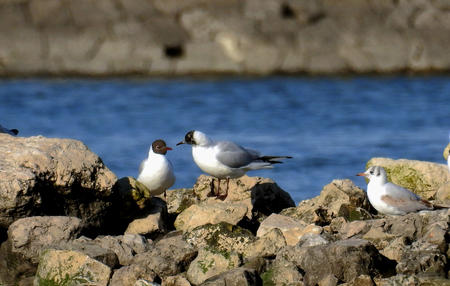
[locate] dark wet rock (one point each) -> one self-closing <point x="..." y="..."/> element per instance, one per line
<point x="236" y="277"/>
<point x="169" y="256"/>
<point x="346" y="260"/>
<point x="92" y="249"/>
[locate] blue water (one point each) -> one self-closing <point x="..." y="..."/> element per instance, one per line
<point x="331" y="126"/>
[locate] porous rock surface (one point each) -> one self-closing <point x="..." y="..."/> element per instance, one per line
<point x="52" y="176"/>
<point x="336" y="238"/>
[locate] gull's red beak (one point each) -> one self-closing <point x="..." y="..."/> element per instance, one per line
<point x="361" y="174"/>
<point x="168" y="148"/>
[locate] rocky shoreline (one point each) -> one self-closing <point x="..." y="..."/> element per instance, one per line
<point x="215" y="37"/>
<point x="66" y="219"/>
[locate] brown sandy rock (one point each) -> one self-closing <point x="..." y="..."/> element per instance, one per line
<point x="28" y="238"/>
<point x="210" y="213"/>
<point x="283" y="272"/>
<point x="180" y="199"/>
<point x="292" y="229"/>
<point x="176" y="280"/>
<point x="267" y="245"/>
<point x="56" y="266"/>
<point x="340" y="198"/>
<point x="443" y="194"/>
<point x="222" y="237"/>
<point x="210" y="262"/>
<point x="259" y="196"/>
<point x="151" y="224"/>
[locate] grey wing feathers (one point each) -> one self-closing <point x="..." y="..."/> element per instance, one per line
<point x="235" y="156"/>
<point x="399" y="192"/>
<point x="407" y="200"/>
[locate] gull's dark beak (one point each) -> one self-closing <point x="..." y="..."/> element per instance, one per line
<point x="361" y="174"/>
<point x="181" y="142"/>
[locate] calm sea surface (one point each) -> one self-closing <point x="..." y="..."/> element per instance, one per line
<point x="331" y="126"/>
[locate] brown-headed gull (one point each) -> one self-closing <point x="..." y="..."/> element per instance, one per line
<point x="156" y="172"/>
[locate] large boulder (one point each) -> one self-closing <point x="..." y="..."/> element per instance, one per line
<point x="345" y="260"/>
<point x="261" y="195"/>
<point x="423" y="178"/>
<point x="249" y="200"/>
<point x="51" y="176"/>
<point x="340" y="198"/>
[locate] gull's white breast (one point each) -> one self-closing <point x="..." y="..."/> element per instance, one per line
<point x="157" y="174"/>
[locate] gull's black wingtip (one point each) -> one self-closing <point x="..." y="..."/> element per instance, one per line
<point x="270" y="159"/>
<point x="15" y="131"/>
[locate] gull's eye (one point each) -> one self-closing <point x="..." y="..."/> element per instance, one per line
<point x="371" y="172"/>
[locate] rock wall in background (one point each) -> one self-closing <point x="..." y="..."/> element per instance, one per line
<point x="172" y="37"/>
